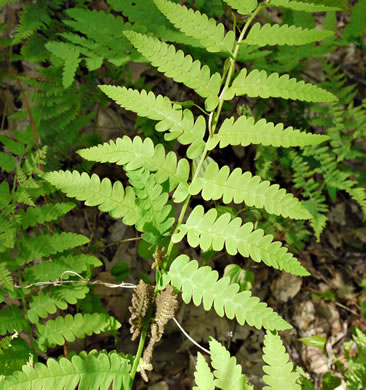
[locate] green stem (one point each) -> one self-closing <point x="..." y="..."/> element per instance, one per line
<point x="140" y="347"/>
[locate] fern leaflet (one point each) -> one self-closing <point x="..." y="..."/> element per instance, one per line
<point x="258" y="83"/>
<point x="206" y="230"/>
<point x="309" y="5"/>
<point x="68" y="328"/>
<point x="241" y="187"/>
<point x="180" y="123"/>
<point x="245" y="131"/>
<point x="138" y="153"/>
<point x="203" y="375"/>
<point x="194" y="24"/>
<point x="113" y="199"/>
<point x="84" y="371"/>
<point x="12" y="320"/>
<point x="178" y="66"/>
<point x="279" y="369"/>
<point x="283" y="35"/>
<point x="202" y="285"/>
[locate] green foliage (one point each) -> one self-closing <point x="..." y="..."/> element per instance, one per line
<point x="100" y="370"/>
<point x="279" y="370"/>
<point x="35" y="253"/>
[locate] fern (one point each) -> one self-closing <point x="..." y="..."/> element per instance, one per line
<point x="180" y="123"/>
<point x="241" y="187"/>
<point x="243" y="6"/>
<point x="47" y="302"/>
<point x="135" y="154"/>
<point x="279" y="370"/>
<point x="12" y="320"/>
<point x="258" y="83"/>
<point x="203" y="375"/>
<point x="206" y="230"/>
<point x="211" y="35"/>
<point x="283" y="35"/>
<point x="5" y="277"/>
<point x="202" y="285"/>
<point x="245" y="131"/>
<point x="45" y="213"/>
<point x="181" y="68"/>
<point x="46" y="245"/>
<point x="98" y="370"/>
<point x="110" y="198"/>
<point x="309" y="5"/>
<point x="68" y="328"/>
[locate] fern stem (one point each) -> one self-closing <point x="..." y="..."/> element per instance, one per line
<point x="215" y="116"/>
<point x="141" y="346"/>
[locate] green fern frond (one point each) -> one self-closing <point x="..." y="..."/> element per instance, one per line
<point x="6" y="279"/>
<point x="201" y="285"/>
<point x="155" y="212"/>
<point x="12" y="320"/>
<point x="357" y="24"/>
<point x="227" y="372"/>
<point x="45" y="245"/>
<point x="52" y="270"/>
<point x="194" y="24"/>
<point x="245" y="131"/>
<point x="203" y="375"/>
<point x="258" y="83"/>
<point x="180" y="67"/>
<point x="15" y="356"/>
<point x="93" y="370"/>
<point x="180" y="123"/>
<point x="244" y="7"/>
<point x="137" y="153"/>
<point x="7" y="162"/>
<point x="46" y="213"/>
<point x="5" y="197"/>
<point x="283" y="35"/>
<point x="68" y="328"/>
<point x="309" y="5"/>
<point x="48" y="301"/>
<point x="279" y="369"/>
<point x="70" y="56"/>
<point x="206" y="230"/>
<point x="241" y="187"/>
<point x="114" y="199"/>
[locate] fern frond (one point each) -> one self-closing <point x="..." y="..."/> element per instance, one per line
<point x="228" y="374"/>
<point x="357" y="24"/>
<point x="279" y="369"/>
<point x="244" y="7"/>
<point x="12" y="320"/>
<point x="6" y="279"/>
<point x="52" y="270"/>
<point x="180" y="123"/>
<point x="309" y="5"/>
<point x="113" y="199"/>
<point x="48" y="301"/>
<point x="15" y="356"/>
<point x="68" y="328"/>
<point x="45" y="245"/>
<point x="203" y="375"/>
<point x="245" y="131"/>
<point x="258" y="83"/>
<point x="70" y="56"/>
<point x="201" y="285"/>
<point x="283" y="35"/>
<point x="206" y="230"/>
<point x="137" y="153"/>
<point x="46" y="213"/>
<point x="93" y="370"/>
<point x="194" y="24"/>
<point x="180" y="67"/>
<point x="241" y="187"/>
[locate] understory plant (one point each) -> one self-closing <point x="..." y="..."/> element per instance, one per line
<point x="171" y="199"/>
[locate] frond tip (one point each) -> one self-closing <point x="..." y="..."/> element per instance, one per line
<point x="201" y="285"/>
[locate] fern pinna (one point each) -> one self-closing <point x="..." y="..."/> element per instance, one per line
<point x="158" y="179"/>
